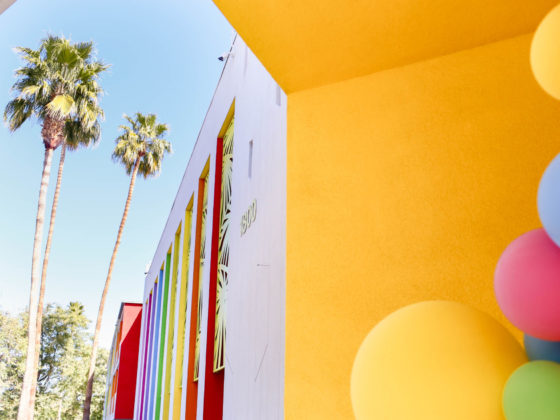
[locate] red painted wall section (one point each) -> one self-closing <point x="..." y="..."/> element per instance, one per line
<point x="128" y="363"/>
<point x="214" y="381"/>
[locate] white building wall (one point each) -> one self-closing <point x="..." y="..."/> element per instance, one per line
<point x="254" y="373"/>
<point x="254" y="377"/>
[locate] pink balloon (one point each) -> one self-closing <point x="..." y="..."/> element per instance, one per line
<point x="527" y="285"/>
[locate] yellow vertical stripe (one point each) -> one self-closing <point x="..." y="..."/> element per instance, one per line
<point x="170" y="335"/>
<point x="181" y="327"/>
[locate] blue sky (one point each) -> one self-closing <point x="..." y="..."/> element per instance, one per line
<point x="163" y="57"/>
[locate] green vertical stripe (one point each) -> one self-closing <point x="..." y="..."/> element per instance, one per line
<point x="162" y="334"/>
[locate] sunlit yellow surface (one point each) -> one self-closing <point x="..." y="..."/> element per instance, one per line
<point x="181" y="325"/>
<point x="171" y="320"/>
<point x="545" y="53"/>
<point x="405" y="185"/>
<point x="308" y="43"/>
<point x="416" y="139"/>
<point x="434" y="360"/>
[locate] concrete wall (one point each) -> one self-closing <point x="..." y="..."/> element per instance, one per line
<point x="254" y="370"/>
<point x="404" y="185"/>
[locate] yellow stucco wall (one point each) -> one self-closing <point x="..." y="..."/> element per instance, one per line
<point x="403" y="186"/>
<point x="307" y="43"/>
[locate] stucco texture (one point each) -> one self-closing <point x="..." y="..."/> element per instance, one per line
<point x="305" y="43"/>
<point x="405" y="185"/>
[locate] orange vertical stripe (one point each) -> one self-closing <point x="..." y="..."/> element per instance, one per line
<point x="192" y="386"/>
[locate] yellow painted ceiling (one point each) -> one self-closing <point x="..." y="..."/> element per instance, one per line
<point x="308" y="43"/>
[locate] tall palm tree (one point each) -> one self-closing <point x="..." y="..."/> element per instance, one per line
<point x="140" y="149"/>
<point x="76" y="135"/>
<point x="57" y="85"/>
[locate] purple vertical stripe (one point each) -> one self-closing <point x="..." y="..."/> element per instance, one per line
<point x="155" y="349"/>
<point x="150" y="350"/>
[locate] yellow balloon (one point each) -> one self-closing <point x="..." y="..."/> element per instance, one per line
<point x="434" y="361"/>
<point x="545" y="53"/>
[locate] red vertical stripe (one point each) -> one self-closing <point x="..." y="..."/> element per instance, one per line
<point x="192" y="386"/>
<point x="128" y="360"/>
<point x="214" y="382"/>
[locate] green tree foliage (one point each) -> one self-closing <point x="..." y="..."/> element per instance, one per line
<point x="13" y="343"/>
<point x="65" y="352"/>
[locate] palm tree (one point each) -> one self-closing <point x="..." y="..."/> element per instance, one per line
<point x="140" y="148"/>
<point x="76" y="135"/>
<point x="58" y="86"/>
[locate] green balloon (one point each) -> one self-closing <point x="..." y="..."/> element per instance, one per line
<point x="532" y="392"/>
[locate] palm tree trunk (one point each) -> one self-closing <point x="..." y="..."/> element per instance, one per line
<point x="44" y="274"/>
<point x="89" y="388"/>
<point x="25" y="410"/>
<point x="59" y="415"/>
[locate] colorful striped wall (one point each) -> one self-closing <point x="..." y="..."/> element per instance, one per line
<point x="170" y="353"/>
<point x="205" y="257"/>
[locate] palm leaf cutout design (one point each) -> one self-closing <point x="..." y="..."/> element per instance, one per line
<point x="202" y="256"/>
<point x="223" y="250"/>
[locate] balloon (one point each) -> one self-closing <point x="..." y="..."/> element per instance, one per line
<point x="527" y="285"/>
<point x="434" y="361"/>
<point x="541" y="349"/>
<point x="545" y="53"/>
<point x="548" y="200"/>
<point x="531" y="393"/>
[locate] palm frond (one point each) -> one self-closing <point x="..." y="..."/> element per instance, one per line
<point x="141" y="141"/>
<point x="58" y="80"/>
<point x="17" y="112"/>
<point x="77" y="134"/>
<point x="62" y="106"/>
<point x="84" y="49"/>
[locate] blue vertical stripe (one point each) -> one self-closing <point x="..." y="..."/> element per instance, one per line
<point x="150" y="346"/>
<point x="157" y="326"/>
